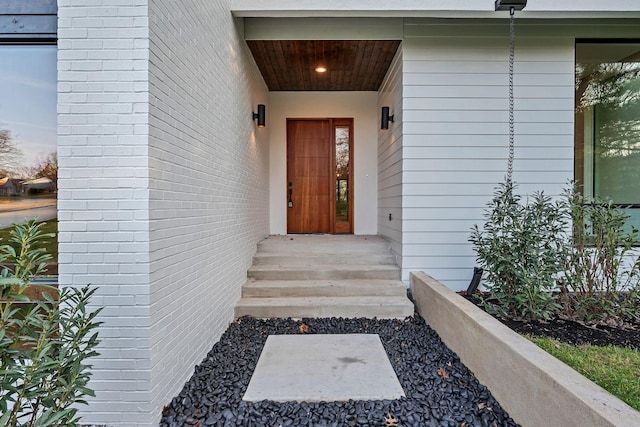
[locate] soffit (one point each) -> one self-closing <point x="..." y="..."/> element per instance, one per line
<point x="352" y="65"/>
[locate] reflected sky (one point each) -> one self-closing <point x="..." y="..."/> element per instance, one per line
<point x="28" y="98"/>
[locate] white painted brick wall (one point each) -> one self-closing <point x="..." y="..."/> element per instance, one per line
<point x="162" y="189"/>
<point x="209" y="177"/>
<point x="103" y="191"/>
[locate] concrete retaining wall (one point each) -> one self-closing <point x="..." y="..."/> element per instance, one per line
<point x="533" y="386"/>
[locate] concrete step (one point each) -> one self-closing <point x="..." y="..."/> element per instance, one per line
<point x="326" y="259"/>
<point x="319" y="288"/>
<point x="384" y="307"/>
<point x="324" y="276"/>
<point x="323" y="272"/>
<point x="324" y="244"/>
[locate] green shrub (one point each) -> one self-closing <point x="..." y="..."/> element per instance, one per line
<point x="44" y="342"/>
<point x="601" y="274"/>
<point x="537" y="265"/>
<point x="522" y="247"/>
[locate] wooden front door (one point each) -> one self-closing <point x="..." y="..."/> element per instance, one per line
<point x="319" y="179"/>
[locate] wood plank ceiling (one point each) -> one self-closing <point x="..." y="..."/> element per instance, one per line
<point x="352" y="65"/>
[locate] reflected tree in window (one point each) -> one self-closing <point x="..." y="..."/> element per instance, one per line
<point x="28" y="122"/>
<point x="10" y="154"/>
<point x="342" y="173"/>
<point x="608" y="122"/>
<point x="342" y="151"/>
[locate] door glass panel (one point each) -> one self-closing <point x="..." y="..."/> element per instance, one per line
<point x="342" y="173"/>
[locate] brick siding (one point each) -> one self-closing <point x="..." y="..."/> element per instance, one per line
<point x="162" y="187"/>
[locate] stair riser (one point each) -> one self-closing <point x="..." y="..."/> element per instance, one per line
<point x="321" y="291"/>
<point x="324" y="275"/>
<point x="319" y="259"/>
<point x="381" y="312"/>
<point x="323" y="248"/>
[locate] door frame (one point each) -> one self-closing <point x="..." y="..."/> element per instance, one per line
<point x="331" y="182"/>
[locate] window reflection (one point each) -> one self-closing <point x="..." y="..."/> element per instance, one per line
<point x="342" y="173"/>
<point x="28" y="135"/>
<point x="608" y="122"/>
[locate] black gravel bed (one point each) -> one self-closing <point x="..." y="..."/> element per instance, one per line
<point x="440" y="390"/>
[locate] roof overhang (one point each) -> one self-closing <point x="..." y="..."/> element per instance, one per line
<point x="287" y="36"/>
<point x="536" y="9"/>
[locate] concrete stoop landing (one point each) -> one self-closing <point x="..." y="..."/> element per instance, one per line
<point x="324" y="276"/>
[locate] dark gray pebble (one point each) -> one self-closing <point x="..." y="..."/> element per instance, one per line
<point x="214" y="393"/>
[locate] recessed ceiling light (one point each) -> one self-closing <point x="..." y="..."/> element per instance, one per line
<point x="321" y="69"/>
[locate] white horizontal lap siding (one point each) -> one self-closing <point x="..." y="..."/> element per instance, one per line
<point x="390" y="159"/>
<point x="455" y="133"/>
<point x="103" y="193"/>
<point x="209" y="194"/>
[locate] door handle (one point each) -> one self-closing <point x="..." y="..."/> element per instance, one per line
<point x="290" y="203"/>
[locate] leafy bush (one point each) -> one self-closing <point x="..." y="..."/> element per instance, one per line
<point x="537" y="265"/>
<point x="44" y="343"/>
<point x="522" y="246"/>
<point x="601" y="276"/>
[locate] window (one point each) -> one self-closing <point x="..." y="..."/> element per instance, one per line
<point x="607" y="132"/>
<point x="28" y="81"/>
<point x="28" y="136"/>
<point x="343" y="153"/>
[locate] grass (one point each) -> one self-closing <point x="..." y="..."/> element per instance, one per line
<point x="51" y="245"/>
<point x="615" y="369"/>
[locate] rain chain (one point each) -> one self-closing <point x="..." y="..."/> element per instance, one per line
<point x="512" y="48"/>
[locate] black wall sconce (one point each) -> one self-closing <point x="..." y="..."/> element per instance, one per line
<point x="509" y="4"/>
<point x="386" y="118"/>
<point x="260" y="115"/>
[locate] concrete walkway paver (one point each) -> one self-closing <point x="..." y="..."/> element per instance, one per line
<point x="328" y="368"/>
